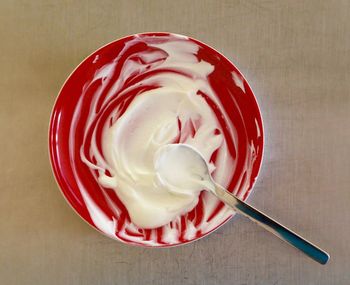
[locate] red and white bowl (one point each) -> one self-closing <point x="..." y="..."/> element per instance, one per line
<point x="100" y="207"/>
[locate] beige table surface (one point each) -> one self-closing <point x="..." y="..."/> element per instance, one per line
<point x="296" y="56"/>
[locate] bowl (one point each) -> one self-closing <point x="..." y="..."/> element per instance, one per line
<point x="74" y="128"/>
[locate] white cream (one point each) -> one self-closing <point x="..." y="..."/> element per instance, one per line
<point x="129" y="147"/>
<point x="130" y="161"/>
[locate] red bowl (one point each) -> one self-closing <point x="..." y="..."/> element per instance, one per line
<point x="101" y="207"/>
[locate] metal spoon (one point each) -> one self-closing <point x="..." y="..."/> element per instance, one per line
<point x="243" y="208"/>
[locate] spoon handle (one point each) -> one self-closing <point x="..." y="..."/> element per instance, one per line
<point x="271" y="225"/>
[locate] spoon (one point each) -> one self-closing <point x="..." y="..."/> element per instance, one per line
<point x="192" y="169"/>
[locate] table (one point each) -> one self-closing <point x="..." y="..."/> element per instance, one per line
<point x="295" y="55"/>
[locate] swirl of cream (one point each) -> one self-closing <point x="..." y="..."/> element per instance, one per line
<point x="145" y="100"/>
